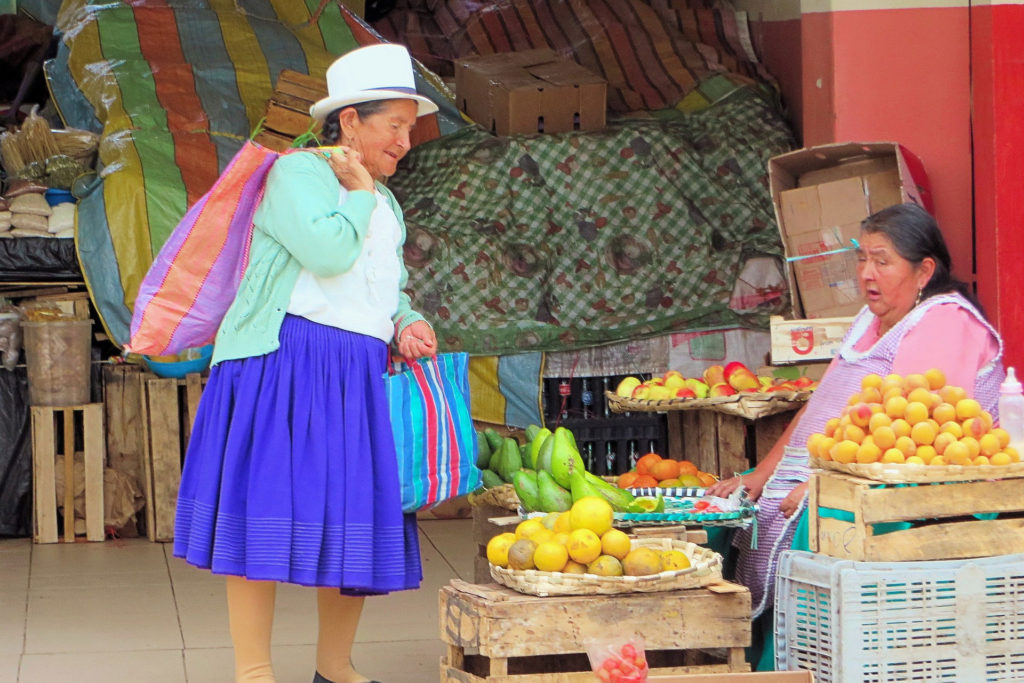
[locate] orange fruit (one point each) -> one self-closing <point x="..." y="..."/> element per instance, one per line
<point x="706" y="478"/>
<point x="644" y="463"/>
<point x="936" y="379"/>
<point x="687" y="467"/>
<point x="644" y="481"/>
<point x="967" y="407"/>
<point x="627" y="480"/>
<point x="584" y="546"/>
<point x="665" y="469"/>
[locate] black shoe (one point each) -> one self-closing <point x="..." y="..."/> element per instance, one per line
<point x="317" y="678"/>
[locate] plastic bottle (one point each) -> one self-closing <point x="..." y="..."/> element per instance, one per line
<point x="1011" y="409"/>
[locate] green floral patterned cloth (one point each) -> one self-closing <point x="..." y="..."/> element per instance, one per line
<point x="554" y="242"/>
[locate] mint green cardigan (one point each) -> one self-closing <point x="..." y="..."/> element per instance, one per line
<point x="299" y="224"/>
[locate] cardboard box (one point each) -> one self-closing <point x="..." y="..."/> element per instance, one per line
<point x="821" y="194"/>
<point x="800" y="341"/>
<point x="761" y="677"/>
<point x="533" y="91"/>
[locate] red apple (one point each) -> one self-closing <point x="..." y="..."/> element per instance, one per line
<point x="685" y="392"/>
<point x="721" y="389"/>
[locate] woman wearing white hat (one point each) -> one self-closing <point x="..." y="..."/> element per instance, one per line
<point x="291" y="472"/>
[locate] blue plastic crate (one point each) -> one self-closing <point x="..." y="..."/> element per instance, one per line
<point x="878" y="622"/>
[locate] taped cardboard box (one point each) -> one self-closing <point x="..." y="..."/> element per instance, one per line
<point x="532" y="91"/>
<point x="801" y="341"/>
<point x="821" y="194"/>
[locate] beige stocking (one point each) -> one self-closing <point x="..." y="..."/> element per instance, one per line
<point x="251" y="616"/>
<point x="339" y="619"/>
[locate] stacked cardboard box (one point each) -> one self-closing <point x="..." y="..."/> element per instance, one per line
<point x="821" y="194"/>
<point x="532" y="91"/>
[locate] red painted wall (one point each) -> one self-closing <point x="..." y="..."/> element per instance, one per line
<point x="998" y="79"/>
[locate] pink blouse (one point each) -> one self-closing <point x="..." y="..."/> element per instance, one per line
<point x="948" y="338"/>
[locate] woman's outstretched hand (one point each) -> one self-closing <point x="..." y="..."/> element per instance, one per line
<point x="753" y="483"/>
<point x="417" y="340"/>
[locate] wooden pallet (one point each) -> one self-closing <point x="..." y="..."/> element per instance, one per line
<point x="722" y="444"/>
<point x="944" y="528"/>
<point x="287" y="115"/>
<point x="521" y="638"/>
<point x="169" y="411"/>
<point x="84" y="424"/>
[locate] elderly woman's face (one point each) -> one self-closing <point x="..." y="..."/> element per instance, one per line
<point x="888" y="282"/>
<point x="383" y="138"/>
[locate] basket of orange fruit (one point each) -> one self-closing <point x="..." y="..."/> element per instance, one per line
<point x="914" y="428"/>
<point x="672" y="492"/>
<point x="579" y="552"/>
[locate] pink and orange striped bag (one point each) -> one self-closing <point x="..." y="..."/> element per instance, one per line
<point x="196" y="274"/>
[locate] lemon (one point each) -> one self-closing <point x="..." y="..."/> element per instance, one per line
<point x="550" y="556"/>
<point x="497" y="548"/>
<point x="674" y="559"/>
<point x="615" y="543"/>
<point x="584" y="546"/>
<point x="591" y="512"/>
<point x="541" y="536"/>
<point x="562" y="523"/>
<point x="528" y="527"/>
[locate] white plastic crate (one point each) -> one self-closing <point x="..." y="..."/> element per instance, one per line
<point x="877" y="622"/>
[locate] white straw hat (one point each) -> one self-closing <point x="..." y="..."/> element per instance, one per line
<point x="374" y="72"/>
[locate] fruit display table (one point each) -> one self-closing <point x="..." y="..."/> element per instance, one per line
<point x="495" y="634"/>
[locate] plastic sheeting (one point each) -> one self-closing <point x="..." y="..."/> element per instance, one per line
<point x="174" y="88"/>
<point x="37" y="259"/>
<point x="15" y="455"/>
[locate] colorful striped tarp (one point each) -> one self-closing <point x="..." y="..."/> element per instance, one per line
<point x="175" y="87"/>
<point x="652" y="52"/>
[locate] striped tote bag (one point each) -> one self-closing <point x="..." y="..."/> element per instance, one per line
<point x="434" y="436"/>
<point x="195" y="276"/>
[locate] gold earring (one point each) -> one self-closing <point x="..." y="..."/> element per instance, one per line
<point x="917" y="302"/>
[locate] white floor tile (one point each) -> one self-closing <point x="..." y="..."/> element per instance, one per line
<point x="15" y="562"/>
<point x="131" y="617"/>
<point x="98" y="565"/>
<point x="13" y="607"/>
<point x="159" y="666"/>
<point x="9" y="668"/>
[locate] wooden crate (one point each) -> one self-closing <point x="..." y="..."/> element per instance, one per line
<point x="83" y="424"/>
<point x="722" y="444"/>
<point x="168" y="413"/>
<point x="486" y="528"/>
<point x="943" y="514"/>
<point x="517" y="638"/>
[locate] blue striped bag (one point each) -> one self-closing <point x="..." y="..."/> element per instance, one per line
<point x="434" y="435"/>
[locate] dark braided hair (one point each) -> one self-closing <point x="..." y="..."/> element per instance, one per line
<point x="331" y="132"/>
<point x="915" y="235"/>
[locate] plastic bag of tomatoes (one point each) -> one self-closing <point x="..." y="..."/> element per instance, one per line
<point x="618" y="660"/>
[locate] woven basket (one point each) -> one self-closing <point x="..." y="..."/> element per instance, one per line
<point x="706" y="568"/>
<point x="503" y="496"/>
<point x="893" y="473"/>
<point x="750" y="406"/>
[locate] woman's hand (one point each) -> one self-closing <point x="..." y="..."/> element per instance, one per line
<point x="417" y="340"/>
<point x="754" y="483"/>
<point x="791" y="503"/>
<point x="348" y="168"/>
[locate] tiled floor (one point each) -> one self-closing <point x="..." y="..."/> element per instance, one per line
<point x="126" y="611"/>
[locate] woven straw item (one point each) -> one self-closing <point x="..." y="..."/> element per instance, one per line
<point x="750" y="406"/>
<point x="503" y="496"/>
<point x="706" y="568"/>
<point x="892" y="473"/>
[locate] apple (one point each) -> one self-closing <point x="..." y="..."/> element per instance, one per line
<point x="721" y="389"/>
<point x="698" y="387"/>
<point x="803" y="382"/>
<point x="658" y="392"/>
<point x="685" y="392"/>
<point x="626" y="387"/>
<point x="640" y="391"/>
<point x="714" y="375"/>
<point x="675" y="381"/>
<point x="740" y="377"/>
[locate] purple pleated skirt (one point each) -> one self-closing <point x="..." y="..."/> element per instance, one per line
<point x="291" y="474"/>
